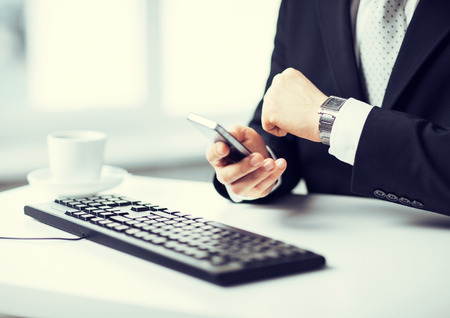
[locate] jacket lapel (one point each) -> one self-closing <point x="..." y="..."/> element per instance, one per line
<point x="335" y="23"/>
<point x="429" y="26"/>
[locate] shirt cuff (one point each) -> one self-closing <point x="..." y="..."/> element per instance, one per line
<point x="239" y="198"/>
<point x="347" y="129"/>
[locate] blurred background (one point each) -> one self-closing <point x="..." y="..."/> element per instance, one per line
<point x="133" y="69"/>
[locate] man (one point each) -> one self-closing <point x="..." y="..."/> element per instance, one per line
<point x="399" y="151"/>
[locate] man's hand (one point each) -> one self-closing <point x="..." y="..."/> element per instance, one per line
<point x="291" y="105"/>
<point x="253" y="176"/>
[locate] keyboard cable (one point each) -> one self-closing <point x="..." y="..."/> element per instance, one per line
<point x="43" y="238"/>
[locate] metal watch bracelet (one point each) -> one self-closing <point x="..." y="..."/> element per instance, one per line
<point x="328" y="112"/>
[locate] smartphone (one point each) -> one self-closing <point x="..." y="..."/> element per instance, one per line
<point x="215" y="132"/>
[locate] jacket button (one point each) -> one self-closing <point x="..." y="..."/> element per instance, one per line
<point x="380" y="194"/>
<point x="392" y="197"/>
<point x="417" y="204"/>
<point x="404" y="201"/>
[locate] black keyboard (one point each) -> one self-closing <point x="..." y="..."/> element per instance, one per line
<point x="209" y="250"/>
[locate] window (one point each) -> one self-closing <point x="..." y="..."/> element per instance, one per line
<point x="132" y="69"/>
<point x="86" y="54"/>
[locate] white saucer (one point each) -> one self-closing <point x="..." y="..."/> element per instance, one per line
<point x="110" y="177"/>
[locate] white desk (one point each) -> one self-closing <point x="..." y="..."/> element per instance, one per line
<point x="383" y="261"/>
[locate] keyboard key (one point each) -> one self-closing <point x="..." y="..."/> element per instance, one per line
<point x="131" y="222"/>
<point x="122" y="202"/>
<point x="121" y="228"/>
<point x="119" y="219"/>
<point x="171" y="211"/>
<point x="104" y="222"/>
<point x="96" y="211"/>
<point x="131" y="231"/>
<point x="141" y="219"/>
<point x="87" y="217"/>
<point x="72" y="204"/>
<point x="170" y="222"/>
<point x="200" y="254"/>
<point x="96" y="220"/>
<point x="159" y="240"/>
<point x="159" y="208"/>
<point x="139" y="225"/>
<point x="71" y="211"/>
<point x="160" y="231"/>
<point x="140" y="234"/>
<point x="149" y="228"/>
<point x="111" y="204"/>
<point x="119" y="212"/>
<point x="151" y="205"/>
<point x="218" y="260"/>
<point x="163" y="214"/>
<point x="112" y="225"/>
<point x="156" y="217"/>
<point x="180" y="214"/>
<point x="81" y="206"/>
<point x="78" y="214"/>
<point x="105" y="214"/>
<point x="140" y="208"/>
<point x="170" y="244"/>
<point x="207" y="227"/>
<point x="149" y="237"/>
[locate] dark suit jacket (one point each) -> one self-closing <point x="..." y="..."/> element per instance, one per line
<point x="404" y="152"/>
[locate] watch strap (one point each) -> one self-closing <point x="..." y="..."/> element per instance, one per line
<point x="328" y="112"/>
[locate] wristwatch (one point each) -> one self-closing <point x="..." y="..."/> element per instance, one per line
<point x="328" y="112"/>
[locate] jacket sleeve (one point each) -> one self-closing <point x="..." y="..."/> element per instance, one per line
<point x="404" y="159"/>
<point x="283" y="147"/>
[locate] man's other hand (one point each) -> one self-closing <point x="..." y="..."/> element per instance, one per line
<point x="291" y="105"/>
<point x="252" y="177"/>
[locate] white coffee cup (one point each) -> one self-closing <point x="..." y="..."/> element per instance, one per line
<point x="76" y="155"/>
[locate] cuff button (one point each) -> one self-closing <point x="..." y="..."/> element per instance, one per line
<point x="392" y="197"/>
<point x="404" y="201"/>
<point x="380" y="194"/>
<point x="417" y="204"/>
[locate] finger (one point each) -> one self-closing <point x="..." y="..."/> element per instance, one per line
<point x="259" y="182"/>
<point x="233" y="172"/>
<point x="272" y="128"/>
<point x="265" y="187"/>
<point x="216" y="153"/>
<point x="266" y="125"/>
<point x="268" y="122"/>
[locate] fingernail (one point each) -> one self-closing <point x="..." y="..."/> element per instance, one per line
<point x="220" y="151"/>
<point x="255" y="161"/>
<point x="281" y="163"/>
<point x="268" y="166"/>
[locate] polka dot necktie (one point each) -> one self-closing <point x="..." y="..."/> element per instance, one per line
<point x="379" y="44"/>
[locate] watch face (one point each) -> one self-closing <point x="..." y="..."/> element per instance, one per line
<point x="334" y="103"/>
